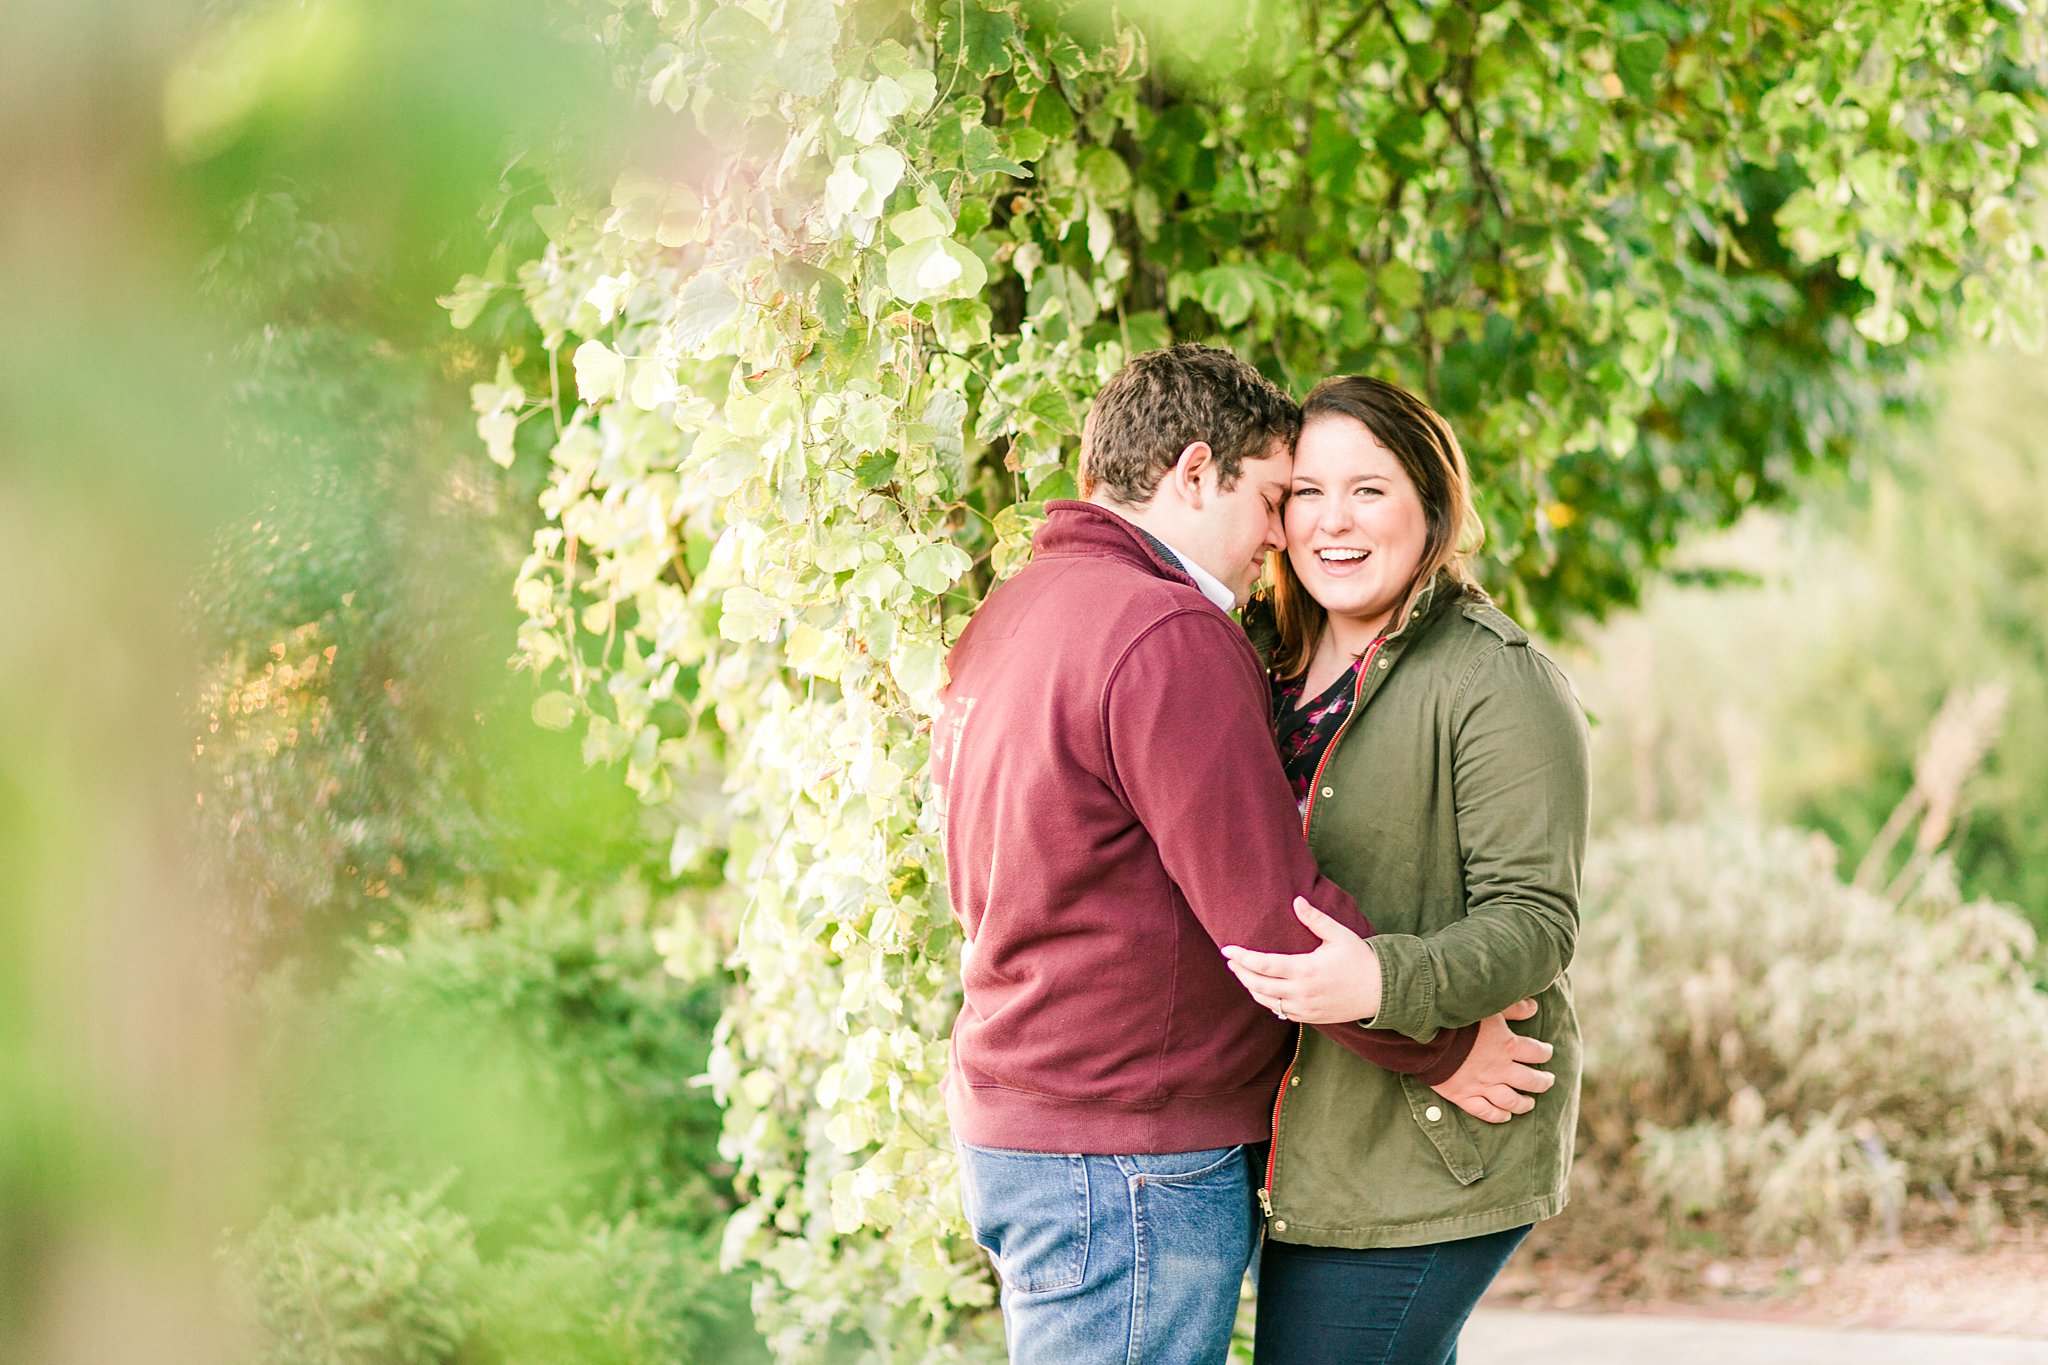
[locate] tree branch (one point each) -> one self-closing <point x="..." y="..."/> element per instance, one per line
<point x="1475" y="159"/>
<point x="1356" y="26"/>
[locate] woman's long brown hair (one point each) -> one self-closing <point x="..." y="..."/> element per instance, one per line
<point x="1429" y="453"/>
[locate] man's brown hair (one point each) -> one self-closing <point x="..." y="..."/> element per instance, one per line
<point x="1428" y="452"/>
<point x="1162" y="402"/>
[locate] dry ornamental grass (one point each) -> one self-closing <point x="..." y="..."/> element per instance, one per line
<point x="1783" y="1065"/>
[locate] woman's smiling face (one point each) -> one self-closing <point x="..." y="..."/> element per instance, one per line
<point x="1355" y="525"/>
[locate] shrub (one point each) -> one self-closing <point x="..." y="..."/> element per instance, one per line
<point x="488" y="1149"/>
<point x="383" y="1283"/>
<point x="1773" y="1055"/>
<point x="397" y="1280"/>
<point x="536" y="1046"/>
<point x="624" y="1293"/>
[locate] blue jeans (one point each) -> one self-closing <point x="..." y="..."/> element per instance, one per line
<point x="1394" y="1306"/>
<point x="1114" y="1260"/>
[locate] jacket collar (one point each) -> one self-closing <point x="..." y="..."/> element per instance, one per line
<point x="1211" y="586"/>
<point x="1085" y="530"/>
<point x="1432" y="600"/>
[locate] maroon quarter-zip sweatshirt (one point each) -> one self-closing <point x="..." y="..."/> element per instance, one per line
<point x="1115" y="813"/>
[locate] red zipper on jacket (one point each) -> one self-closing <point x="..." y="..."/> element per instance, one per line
<point x="1315" y="785"/>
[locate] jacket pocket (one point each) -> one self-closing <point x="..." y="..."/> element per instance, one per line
<point x="1445" y="1125"/>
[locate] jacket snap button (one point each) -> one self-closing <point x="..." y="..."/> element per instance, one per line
<point x="1294" y="1080"/>
<point x="1432" y="1113"/>
<point x="1279" y="1225"/>
<point x="1385" y="663"/>
<point x="1328" y="792"/>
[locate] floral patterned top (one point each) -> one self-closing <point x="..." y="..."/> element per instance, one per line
<point x="1304" y="731"/>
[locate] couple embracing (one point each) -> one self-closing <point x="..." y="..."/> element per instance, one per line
<point x="1267" y="923"/>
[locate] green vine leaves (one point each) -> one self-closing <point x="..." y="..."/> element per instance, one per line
<point x="790" y="390"/>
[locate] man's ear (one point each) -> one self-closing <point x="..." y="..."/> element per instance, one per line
<point x="1196" y="463"/>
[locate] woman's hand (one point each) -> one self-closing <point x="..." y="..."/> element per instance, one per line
<point x="1337" y="983"/>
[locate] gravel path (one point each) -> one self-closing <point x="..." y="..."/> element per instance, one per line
<point x="1513" y="1336"/>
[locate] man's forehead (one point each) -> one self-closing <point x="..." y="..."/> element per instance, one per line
<point x="1275" y="466"/>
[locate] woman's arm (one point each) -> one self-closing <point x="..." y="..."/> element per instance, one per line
<point x="1522" y="791"/>
<point x="1522" y="803"/>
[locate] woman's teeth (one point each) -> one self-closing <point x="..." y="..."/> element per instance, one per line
<point x="1340" y="556"/>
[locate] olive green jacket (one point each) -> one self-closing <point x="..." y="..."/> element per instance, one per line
<point x="1454" y="805"/>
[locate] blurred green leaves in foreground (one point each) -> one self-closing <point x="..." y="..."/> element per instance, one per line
<point x="324" y="974"/>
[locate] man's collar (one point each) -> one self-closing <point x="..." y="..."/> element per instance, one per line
<point x="1077" y="527"/>
<point x="1211" y="586"/>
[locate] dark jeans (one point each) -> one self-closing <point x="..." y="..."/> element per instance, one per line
<point x="1394" y="1306"/>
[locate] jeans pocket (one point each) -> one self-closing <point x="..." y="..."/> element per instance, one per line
<point x="1029" y="1210"/>
<point x="1188" y="1168"/>
<point x="1196" y="1223"/>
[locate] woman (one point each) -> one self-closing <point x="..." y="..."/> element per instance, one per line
<point x="1441" y="766"/>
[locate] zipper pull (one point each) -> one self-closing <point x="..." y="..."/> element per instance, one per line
<point x="1265" y="1202"/>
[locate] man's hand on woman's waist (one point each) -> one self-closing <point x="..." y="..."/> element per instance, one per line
<point x="1499" y="1078"/>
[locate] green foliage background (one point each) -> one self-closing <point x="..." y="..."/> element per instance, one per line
<point x="1954" y="577"/>
<point x="485" y="1146"/>
<point x="1804" y="692"/>
<point x="800" y="375"/>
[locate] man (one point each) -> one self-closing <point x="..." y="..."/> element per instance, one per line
<point x="1115" y="812"/>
